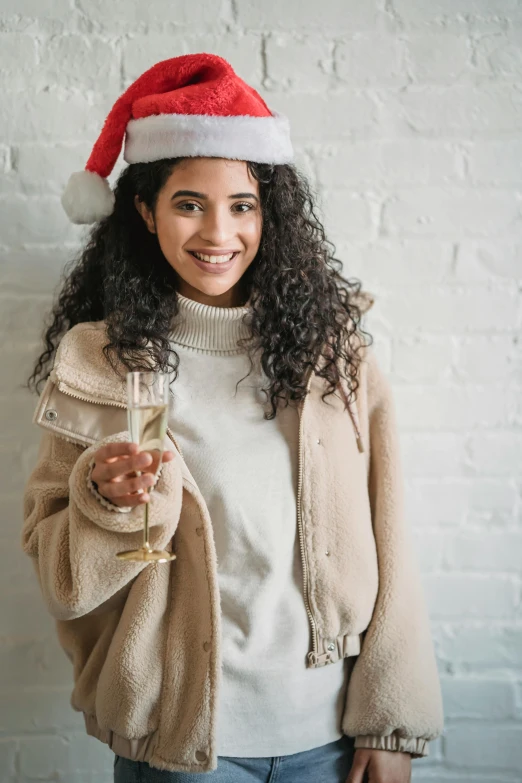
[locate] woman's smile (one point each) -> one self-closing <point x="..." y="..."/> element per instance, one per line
<point x="215" y="264"/>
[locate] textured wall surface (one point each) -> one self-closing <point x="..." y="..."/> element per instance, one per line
<point x="407" y="117"/>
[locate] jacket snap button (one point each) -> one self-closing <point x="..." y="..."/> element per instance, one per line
<point x="199" y="531"/>
<point x="51" y="414"/>
<point x="318" y="440"/>
<point x="201" y="755"/>
<point x="206" y="646"/>
<point x="331" y="646"/>
<point x="327" y="552"/>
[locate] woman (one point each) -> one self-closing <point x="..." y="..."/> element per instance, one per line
<point x="289" y="640"/>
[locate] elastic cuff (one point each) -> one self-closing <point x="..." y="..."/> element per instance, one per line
<point x="418" y="747"/>
<point x="104" y="502"/>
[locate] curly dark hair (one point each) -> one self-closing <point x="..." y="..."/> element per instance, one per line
<point x="300" y="303"/>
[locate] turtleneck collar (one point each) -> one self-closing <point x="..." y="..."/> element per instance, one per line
<point x="208" y="328"/>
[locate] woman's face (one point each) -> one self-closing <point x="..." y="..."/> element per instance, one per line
<point x="208" y="206"/>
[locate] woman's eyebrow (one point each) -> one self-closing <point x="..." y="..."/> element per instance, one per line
<point x="195" y="194"/>
<point x="245" y="195"/>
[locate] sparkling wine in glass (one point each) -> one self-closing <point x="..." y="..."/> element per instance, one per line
<point x="147" y="415"/>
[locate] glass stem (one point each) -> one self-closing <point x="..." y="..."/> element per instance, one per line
<point x="146" y="544"/>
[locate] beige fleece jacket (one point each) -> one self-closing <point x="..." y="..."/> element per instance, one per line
<point x="144" y="639"/>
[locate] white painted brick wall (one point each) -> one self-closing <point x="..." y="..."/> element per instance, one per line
<point x="407" y="116"/>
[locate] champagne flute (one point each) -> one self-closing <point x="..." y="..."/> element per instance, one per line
<point x="147" y="415"/>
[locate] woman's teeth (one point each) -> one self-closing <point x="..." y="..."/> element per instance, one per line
<point x="214" y="259"/>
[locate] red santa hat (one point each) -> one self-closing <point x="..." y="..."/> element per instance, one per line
<point x="188" y="106"/>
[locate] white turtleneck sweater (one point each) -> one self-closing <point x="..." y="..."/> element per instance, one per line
<point x="270" y="703"/>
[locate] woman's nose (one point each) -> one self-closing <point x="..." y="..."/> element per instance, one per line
<point x="217" y="228"/>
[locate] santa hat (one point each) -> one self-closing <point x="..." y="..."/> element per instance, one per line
<point x="188" y="106"/>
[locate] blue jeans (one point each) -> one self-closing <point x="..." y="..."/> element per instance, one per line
<point x="329" y="763"/>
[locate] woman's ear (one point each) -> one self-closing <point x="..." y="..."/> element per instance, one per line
<point x="145" y="213"/>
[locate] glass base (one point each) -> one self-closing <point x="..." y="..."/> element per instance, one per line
<point x="149" y="555"/>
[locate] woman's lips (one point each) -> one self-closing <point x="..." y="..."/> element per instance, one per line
<point x="214" y="269"/>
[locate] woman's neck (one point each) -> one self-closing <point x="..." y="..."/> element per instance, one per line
<point x="234" y="297"/>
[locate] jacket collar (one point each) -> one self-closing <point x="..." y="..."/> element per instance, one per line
<point x="80" y="365"/>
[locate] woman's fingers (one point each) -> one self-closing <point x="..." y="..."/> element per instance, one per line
<point x="121" y="467"/>
<point x="118" y="489"/>
<point x="123" y="473"/>
<point x="111" y="450"/>
<point x="118" y="465"/>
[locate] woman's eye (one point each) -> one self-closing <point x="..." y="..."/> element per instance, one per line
<point x="188" y="204"/>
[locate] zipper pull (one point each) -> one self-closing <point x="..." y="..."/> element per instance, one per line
<point x="315" y="660"/>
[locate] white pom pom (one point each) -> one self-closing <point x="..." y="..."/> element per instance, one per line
<point x="87" y="197"/>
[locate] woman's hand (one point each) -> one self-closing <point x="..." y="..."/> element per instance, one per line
<point x="381" y="766"/>
<point x="114" y="472"/>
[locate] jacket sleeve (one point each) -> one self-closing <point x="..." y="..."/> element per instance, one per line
<point x="394" y="699"/>
<point x="73" y="539"/>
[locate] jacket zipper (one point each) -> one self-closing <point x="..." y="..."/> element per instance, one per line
<point x="312" y="656"/>
<point x="98" y="401"/>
